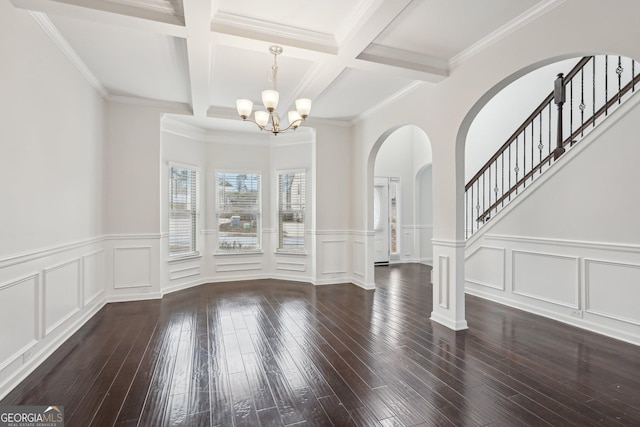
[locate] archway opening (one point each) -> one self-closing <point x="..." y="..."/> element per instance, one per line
<point x="400" y="207"/>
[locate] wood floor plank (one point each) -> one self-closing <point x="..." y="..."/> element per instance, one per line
<point x="277" y="353"/>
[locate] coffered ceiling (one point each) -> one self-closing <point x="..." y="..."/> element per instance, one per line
<point x="348" y="56"/>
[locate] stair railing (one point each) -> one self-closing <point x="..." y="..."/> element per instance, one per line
<point x="596" y="86"/>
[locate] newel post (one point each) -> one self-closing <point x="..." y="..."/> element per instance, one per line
<point x="558" y="99"/>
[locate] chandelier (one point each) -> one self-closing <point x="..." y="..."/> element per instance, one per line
<point x="269" y="120"/>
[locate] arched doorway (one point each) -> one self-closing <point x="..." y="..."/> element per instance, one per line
<point x="396" y="210"/>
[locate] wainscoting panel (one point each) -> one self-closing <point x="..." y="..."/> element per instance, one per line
<point x="358" y="254"/>
<point x="613" y="290"/>
<point x="182" y="272"/>
<point x="443" y="280"/>
<point x="334" y="257"/>
<point x="229" y="266"/>
<point x="93" y="276"/>
<point x="62" y="293"/>
<point x="547" y="277"/>
<point x="19" y="319"/>
<point x="290" y="266"/>
<point x="408" y="251"/>
<point x="132" y="267"/>
<point x="485" y="267"/>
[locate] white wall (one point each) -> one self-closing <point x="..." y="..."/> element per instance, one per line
<point x="569" y="246"/>
<point x="52" y="197"/>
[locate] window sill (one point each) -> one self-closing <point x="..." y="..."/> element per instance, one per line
<point x="238" y="253"/>
<point x="291" y="253"/>
<point x="182" y="258"/>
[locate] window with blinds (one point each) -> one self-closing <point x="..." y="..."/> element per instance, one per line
<point x="238" y="210"/>
<point x="183" y="210"/>
<point x="291" y="206"/>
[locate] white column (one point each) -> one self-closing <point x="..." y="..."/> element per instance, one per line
<point x="448" y="284"/>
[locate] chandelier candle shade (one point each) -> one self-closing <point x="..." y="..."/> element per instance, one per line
<point x="270" y="98"/>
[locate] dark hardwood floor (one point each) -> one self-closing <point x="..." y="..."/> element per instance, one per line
<point x="273" y="353"/>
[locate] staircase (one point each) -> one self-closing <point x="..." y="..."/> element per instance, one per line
<point x="579" y="102"/>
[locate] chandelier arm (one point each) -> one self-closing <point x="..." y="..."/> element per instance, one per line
<point x="256" y="123"/>
<point x="292" y="125"/>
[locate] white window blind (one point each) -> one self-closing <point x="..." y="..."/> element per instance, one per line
<point x="291" y="210"/>
<point x="238" y="210"/>
<point x="183" y="210"/>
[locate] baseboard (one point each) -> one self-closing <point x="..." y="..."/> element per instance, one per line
<point x="134" y="297"/>
<point x="459" y="325"/>
<point x="363" y="285"/>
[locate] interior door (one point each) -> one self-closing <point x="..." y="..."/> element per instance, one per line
<point x="381" y="220"/>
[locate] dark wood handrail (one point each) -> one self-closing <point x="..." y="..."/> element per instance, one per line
<point x="526" y="123"/>
<point x="589" y="122"/>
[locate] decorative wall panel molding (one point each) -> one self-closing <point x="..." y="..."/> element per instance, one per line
<point x="19" y="318"/>
<point x="62" y="293"/>
<point x="45" y="252"/>
<point x="92" y="276"/>
<point x="184" y="272"/>
<point x="131" y="267"/>
<point x="238" y="266"/>
<point x="547" y="277"/>
<point x="443" y="281"/>
<point x="620" y="247"/>
<point x="334" y="257"/>
<point x="291" y="266"/>
<point x="485" y="266"/>
<point x="407" y="243"/>
<point x="358" y="257"/>
<point x="612" y="289"/>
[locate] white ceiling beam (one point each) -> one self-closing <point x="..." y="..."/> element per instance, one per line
<point x="250" y="28"/>
<point x="401" y="63"/>
<point x="109" y="14"/>
<point x="197" y="16"/>
<point x="372" y="21"/>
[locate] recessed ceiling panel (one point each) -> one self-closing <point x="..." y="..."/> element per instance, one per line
<point x="326" y="16"/>
<point x="171" y="7"/>
<point x="240" y="73"/>
<point x="355" y="92"/>
<point x="129" y="62"/>
<point x="445" y="28"/>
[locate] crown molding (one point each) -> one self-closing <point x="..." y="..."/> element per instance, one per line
<point x="502" y="32"/>
<point x="166" y="9"/>
<point x="177" y="127"/>
<point x="58" y="39"/>
<point x="228" y="23"/>
<point x="172" y="106"/>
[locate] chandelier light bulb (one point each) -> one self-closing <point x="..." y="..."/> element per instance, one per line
<point x="294" y="119"/>
<point x="244" y="107"/>
<point x="270" y="99"/>
<point x="303" y="105"/>
<point x="262" y="118"/>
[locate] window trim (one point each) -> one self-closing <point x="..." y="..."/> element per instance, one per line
<point x="196" y="252"/>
